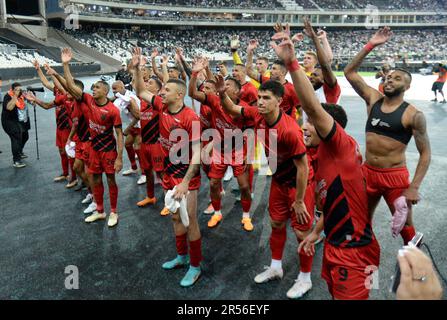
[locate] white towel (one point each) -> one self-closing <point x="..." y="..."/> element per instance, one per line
<point x="173" y="205"/>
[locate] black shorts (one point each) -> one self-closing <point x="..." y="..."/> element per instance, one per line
<point x="437" y="86"/>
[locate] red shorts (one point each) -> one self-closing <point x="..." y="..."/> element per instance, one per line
<point x="281" y="200"/>
<point x="151" y="157"/>
<point x="83" y="151"/>
<point x="135" y="131"/>
<point x="169" y="182"/>
<point x="389" y="183"/>
<point x="220" y="162"/>
<point x="61" y="138"/>
<point x="348" y="271"/>
<point x="102" y="162"/>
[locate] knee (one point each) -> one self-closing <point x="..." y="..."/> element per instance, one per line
<point x="277" y="224"/>
<point x="175" y="218"/>
<point x="245" y="189"/>
<point x="301" y="235"/>
<point x="215" y="184"/>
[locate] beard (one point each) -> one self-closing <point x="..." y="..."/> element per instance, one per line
<point x="394" y="93"/>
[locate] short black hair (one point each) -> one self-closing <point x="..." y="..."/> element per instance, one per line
<point x="337" y="112"/>
<point x="408" y="73"/>
<point x="274" y="87"/>
<point x="15" y="85"/>
<point x="79" y="84"/>
<point x="280" y="63"/>
<point x="236" y="82"/>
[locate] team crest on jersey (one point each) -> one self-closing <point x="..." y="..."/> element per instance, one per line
<point x="103" y="117"/>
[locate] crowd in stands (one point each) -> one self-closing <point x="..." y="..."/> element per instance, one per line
<point x="307" y="4"/>
<point x="22" y="59"/>
<point x="411" y="44"/>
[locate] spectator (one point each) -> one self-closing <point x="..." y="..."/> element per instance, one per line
<point x="418" y="280"/>
<point x="13" y="102"/>
<point x="124" y="76"/>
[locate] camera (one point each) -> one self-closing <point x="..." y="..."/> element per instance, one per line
<point x="217" y="69"/>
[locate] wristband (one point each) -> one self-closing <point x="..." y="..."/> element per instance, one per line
<point x="293" y="66"/>
<point x="369" y="47"/>
<point x="194" y="74"/>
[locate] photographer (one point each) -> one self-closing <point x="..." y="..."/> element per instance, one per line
<point x="14" y="122"/>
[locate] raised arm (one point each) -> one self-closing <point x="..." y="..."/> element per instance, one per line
<point x="193" y="92"/>
<point x="59" y="81"/>
<point x="181" y="60"/>
<point x="209" y="73"/>
<point x="326" y="46"/>
<point x="251" y="72"/>
<point x="228" y="105"/>
<point x="47" y="84"/>
<point x="423" y="145"/>
<point x="140" y="87"/>
<point x="164" y="69"/>
<point x="322" y="121"/>
<point x="73" y="89"/>
<point x="369" y="94"/>
<point x="32" y="98"/>
<point x="234" y="45"/>
<point x="154" y="65"/>
<point x="323" y="59"/>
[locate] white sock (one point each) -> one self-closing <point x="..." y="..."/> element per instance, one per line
<point x="218" y="212"/>
<point x="304" y="276"/>
<point x="276" y="264"/>
<point x="245" y="215"/>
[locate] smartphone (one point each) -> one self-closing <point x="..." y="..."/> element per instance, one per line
<point x="417" y="241"/>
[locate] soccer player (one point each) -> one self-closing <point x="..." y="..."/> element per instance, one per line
<point x="151" y="155"/>
<point x="391" y="124"/>
<point x="63" y="103"/>
<point x="248" y="92"/>
<point x="439" y="83"/>
<point x="350" y="246"/>
<point x="220" y="159"/>
<point x="289" y="181"/>
<point x="184" y="173"/>
<point x="106" y="153"/>
<point x="128" y="104"/>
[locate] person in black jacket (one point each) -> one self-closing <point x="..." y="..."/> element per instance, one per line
<point x="124" y="76"/>
<point x="13" y="102"/>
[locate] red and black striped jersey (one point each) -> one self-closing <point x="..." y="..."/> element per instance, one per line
<point x="149" y="120"/>
<point x="341" y="190"/>
<point x="80" y="119"/>
<point x="283" y="142"/>
<point x="185" y="126"/>
<point x="63" y="112"/>
<point x="102" y="120"/>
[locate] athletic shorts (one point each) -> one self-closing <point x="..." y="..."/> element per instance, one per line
<point x="61" y="138"/>
<point x="220" y="162"/>
<point x="83" y="151"/>
<point x="135" y="131"/>
<point x="348" y="271"/>
<point x="102" y="162"/>
<point x="437" y="86"/>
<point x="281" y="200"/>
<point x="169" y="182"/>
<point x="389" y="183"/>
<point x="151" y="157"/>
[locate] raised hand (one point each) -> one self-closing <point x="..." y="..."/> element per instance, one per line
<point x="178" y="53"/>
<point x="278" y="27"/>
<point x="308" y="30"/>
<point x="29" y="96"/>
<point x="66" y="55"/>
<point x="284" y="50"/>
<point x="154" y="53"/>
<point x="252" y="45"/>
<point x="36" y="64"/>
<point x="220" y="84"/>
<point x="381" y="36"/>
<point x="298" y="38"/>
<point x="136" y="58"/>
<point x="198" y="64"/>
<point x="234" y="42"/>
<point x="50" y="71"/>
<point x="321" y="34"/>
